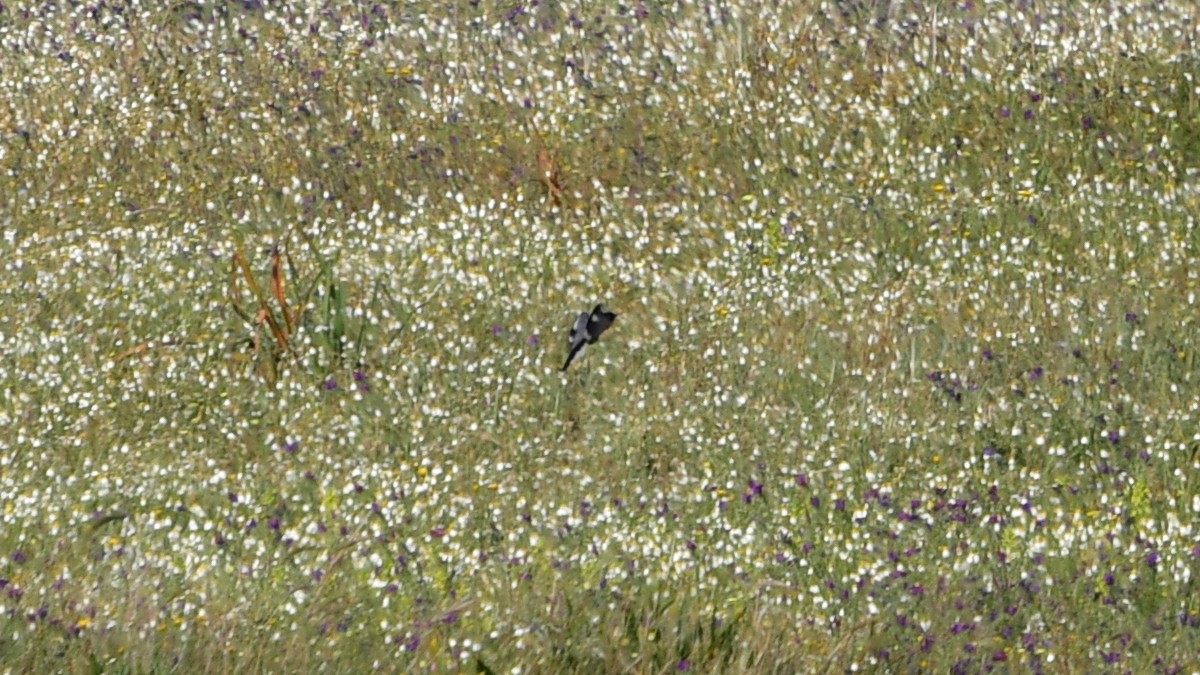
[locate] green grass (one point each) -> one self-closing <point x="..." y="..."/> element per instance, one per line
<point x="903" y="378"/>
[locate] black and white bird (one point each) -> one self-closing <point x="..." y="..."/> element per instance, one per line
<point x="587" y="330"/>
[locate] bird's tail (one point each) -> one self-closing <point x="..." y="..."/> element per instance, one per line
<point x="571" y="357"/>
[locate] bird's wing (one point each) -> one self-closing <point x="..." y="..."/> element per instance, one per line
<point x="579" y="330"/>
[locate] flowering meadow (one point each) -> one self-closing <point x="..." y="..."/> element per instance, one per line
<point x="904" y="376"/>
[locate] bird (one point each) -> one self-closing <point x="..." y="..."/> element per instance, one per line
<point x="587" y="329"/>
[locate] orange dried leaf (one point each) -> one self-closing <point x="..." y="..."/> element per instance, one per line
<point x="277" y="285"/>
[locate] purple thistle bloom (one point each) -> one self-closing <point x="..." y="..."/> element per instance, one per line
<point x="290" y="448"/>
<point x="1029" y="114"/>
<point x="330" y="384"/>
<point x="496" y="330"/>
<point x="1088" y="123"/>
<point x="1152" y="559"/>
<point x="533" y="340"/>
<point x="19" y="557"/>
<point x="801" y="480"/>
<point x="756" y="487"/>
<point x="1005" y="112"/>
<point x="274" y="523"/>
<point x="816" y="502"/>
<point x="1131" y="317"/>
<point x="1037" y="373"/>
<point x="683" y="666"/>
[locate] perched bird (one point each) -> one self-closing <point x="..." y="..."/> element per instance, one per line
<point x="587" y="330"/>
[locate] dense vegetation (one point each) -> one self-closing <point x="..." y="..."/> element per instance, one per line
<point x="904" y="376"/>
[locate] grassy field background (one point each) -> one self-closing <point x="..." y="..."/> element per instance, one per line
<point x="904" y="376"/>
